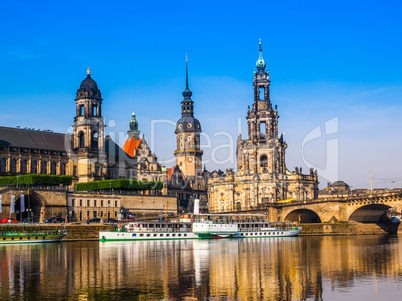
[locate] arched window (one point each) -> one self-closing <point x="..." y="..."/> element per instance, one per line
<point x="34" y="167"/>
<point x="94" y="142"/>
<point x="3" y="165"/>
<point x="82" y="110"/>
<point x="262" y="93"/>
<point x="97" y="170"/>
<point x="43" y="169"/>
<point x="63" y="169"/>
<point x="95" y="110"/>
<point x="13" y="166"/>
<point x="263" y="161"/>
<point x="81" y="140"/>
<point x="53" y="168"/>
<point x="24" y="166"/>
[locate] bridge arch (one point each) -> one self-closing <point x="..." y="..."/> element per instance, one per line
<point x="372" y="213"/>
<point x="303" y="216"/>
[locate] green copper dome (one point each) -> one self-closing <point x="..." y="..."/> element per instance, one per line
<point x="260" y="62"/>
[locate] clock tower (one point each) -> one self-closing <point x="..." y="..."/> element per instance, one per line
<point x="188" y="129"/>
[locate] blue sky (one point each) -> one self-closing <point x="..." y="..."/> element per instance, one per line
<point x="326" y="59"/>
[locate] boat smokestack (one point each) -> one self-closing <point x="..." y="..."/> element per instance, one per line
<point x="196" y="206"/>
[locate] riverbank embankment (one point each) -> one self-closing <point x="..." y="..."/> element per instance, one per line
<point x="78" y="231"/>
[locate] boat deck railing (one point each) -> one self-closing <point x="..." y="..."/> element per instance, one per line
<point x="31" y="233"/>
<point x="264" y="229"/>
<point x="159" y="230"/>
<point x="230" y="221"/>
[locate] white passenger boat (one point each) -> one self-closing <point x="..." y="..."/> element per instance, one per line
<point x="151" y="230"/>
<point x="241" y="226"/>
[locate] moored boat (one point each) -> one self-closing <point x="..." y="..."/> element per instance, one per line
<point x="151" y="230"/>
<point x="11" y="235"/>
<point x="242" y="226"/>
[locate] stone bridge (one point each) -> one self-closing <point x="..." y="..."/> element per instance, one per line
<point x="367" y="208"/>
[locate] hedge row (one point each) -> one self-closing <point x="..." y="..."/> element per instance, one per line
<point x="119" y="184"/>
<point x="36" y="179"/>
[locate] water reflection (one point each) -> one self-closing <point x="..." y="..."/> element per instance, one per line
<point x="299" y="268"/>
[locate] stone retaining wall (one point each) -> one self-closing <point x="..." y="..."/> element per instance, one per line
<point x="349" y="229"/>
<point x="77" y="231"/>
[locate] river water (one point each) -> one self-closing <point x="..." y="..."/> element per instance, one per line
<point x="298" y="268"/>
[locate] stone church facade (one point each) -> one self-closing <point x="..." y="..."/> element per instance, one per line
<point x="262" y="176"/>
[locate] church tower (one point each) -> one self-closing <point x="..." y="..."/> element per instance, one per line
<point x="188" y="129"/>
<point x="88" y="141"/>
<point x="133" y="140"/>
<point x="267" y="156"/>
<point x="262" y="176"/>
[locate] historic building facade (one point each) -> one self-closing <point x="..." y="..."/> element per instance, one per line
<point x="86" y="155"/>
<point x="262" y="176"/>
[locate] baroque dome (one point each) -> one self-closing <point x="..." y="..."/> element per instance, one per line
<point x="88" y="83"/>
<point x="88" y="88"/>
<point x="188" y="124"/>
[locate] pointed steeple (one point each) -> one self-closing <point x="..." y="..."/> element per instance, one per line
<point x="260" y="64"/>
<point x="187" y="104"/>
<point x="187" y="92"/>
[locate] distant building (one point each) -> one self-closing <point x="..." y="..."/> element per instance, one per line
<point x="262" y="176"/>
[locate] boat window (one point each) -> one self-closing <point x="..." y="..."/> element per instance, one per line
<point x="161" y="235"/>
<point x="134" y="235"/>
<point x="36" y="238"/>
<point x="167" y="234"/>
<point x="20" y="238"/>
<point x="173" y="234"/>
<point x="178" y="234"/>
<point x="251" y="233"/>
<point x="12" y="238"/>
<point x="155" y="235"/>
<point x="184" y="234"/>
<point x="141" y="235"/>
<point x="151" y="225"/>
<point x="148" y="235"/>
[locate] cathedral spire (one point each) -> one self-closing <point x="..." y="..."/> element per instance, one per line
<point x="187" y="92"/>
<point x="260" y="64"/>
<point x="187" y="103"/>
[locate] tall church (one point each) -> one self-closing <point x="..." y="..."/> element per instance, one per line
<point x="262" y="176"/>
<point x="186" y="179"/>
